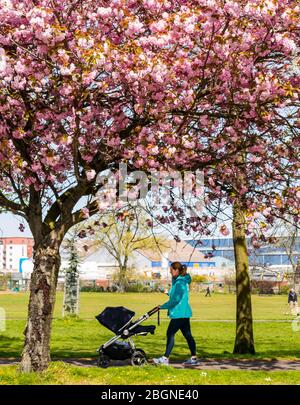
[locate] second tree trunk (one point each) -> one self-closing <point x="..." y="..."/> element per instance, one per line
<point x="244" y="341"/>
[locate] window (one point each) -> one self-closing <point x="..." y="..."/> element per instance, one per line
<point x="271" y="249"/>
<point x="272" y="259"/>
<point x="256" y="260"/>
<point x="206" y="242"/>
<point x="217" y="253"/>
<point x="286" y="260"/>
<point x="224" y="253"/>
<point x="229" y="256"/>
<point x="222" y="243"/>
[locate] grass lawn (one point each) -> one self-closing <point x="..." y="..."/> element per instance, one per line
<point x="217" y="307"/>
<point x="61" y="373"/>
<point x="81" y="337"/>
<point x="215" y="339"/>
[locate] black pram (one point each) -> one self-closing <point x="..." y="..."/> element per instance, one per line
<point x="119" y="321"/>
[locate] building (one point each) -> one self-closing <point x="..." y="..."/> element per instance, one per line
<point x="12" y="250"/>
<point x="272" y="256"/>
<point x="98" y="264"/>
<point x="159" y="262"/>
<point x="94" y="264"/>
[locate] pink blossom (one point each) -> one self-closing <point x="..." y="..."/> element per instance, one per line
<point x="142" y="150"/>
<point x="224" y="230"/>
<point x="153" y="82"/>
<point x="114" y="142"/>
<point x="189" y="144"/>
<point x="36" y="166"/>
<point x="204" y="120"/>
<point x="134" y="27"/>
<point x="119" y="204"/>
<point x="85" y="212"/>
<point x="90" y="174"/>
<point x="267" y="211"/>
<point x="152" y="163"/>
<point x="158" y="26"/>
<point x="81" y="140"/>
<point x="255" y="159"/>
<point x="104" y="12"/>
<point x="18" y="134"/>
<point x="225" y="75"/>
<point x="243" y="190"/>
<point x="155" y="150"/>
<point x="139" y="162"/>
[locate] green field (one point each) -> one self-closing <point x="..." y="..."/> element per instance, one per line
<point x="217" y="307"/>
<point x="215" y="338"/>
<point x="213" y="327"/>
<point x="61" y="373"/>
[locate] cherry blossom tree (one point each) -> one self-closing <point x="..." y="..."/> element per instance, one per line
<point x="86" y="84"/>
<point x="242" y="127"/>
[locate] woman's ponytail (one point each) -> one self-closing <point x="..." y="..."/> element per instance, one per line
<point x="181" y="267"/>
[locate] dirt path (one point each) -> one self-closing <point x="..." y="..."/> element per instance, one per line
<point x="204" y="364"/>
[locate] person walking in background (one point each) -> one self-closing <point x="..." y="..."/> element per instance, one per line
<point x="293" y="302"/>
<point x="208" y="294"/>
<point x="180" y="312"/>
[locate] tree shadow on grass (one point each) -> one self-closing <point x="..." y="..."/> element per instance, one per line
<point x="10" y="346"/>
<point x="154" y="346"/>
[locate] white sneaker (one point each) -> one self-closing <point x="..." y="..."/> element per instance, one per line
<point x="191" y="362"/>
<point x="161" y="360"/>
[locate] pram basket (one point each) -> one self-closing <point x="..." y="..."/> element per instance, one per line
<point x="121" y="346"/>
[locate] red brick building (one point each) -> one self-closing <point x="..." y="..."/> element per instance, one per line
<point x="12" y="249"/>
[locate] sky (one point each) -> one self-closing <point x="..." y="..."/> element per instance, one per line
<point x="9" y="225"/>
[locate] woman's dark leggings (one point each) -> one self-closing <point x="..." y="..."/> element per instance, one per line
<point x="175" y="325"/>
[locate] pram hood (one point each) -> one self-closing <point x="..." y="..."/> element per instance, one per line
<point x="114" y="318"/>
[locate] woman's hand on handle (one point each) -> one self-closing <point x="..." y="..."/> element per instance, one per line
<point x="153" y="310"/>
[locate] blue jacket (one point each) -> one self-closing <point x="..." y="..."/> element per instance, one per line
<point x="178" y="305"/>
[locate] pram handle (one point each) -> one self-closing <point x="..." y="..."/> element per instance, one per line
<point x="153" y="310"/>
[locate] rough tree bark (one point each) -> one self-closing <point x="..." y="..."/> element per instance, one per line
<point x="36" y="351"/>
<point x="122" y="278"/>
<point x="244" y="341"/>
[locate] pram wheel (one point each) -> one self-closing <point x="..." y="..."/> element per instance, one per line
<point x="138" y="358"/>
<point x="103" y="361"/>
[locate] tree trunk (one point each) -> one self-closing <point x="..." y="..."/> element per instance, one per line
<point x="36" y="352"/>
<point x="244" y="341"/>
<point x="122" y="278"/>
